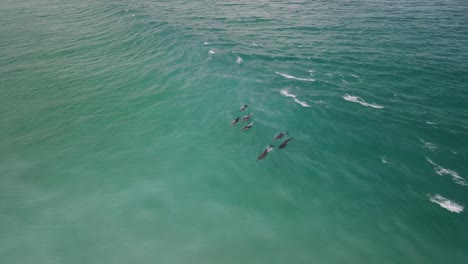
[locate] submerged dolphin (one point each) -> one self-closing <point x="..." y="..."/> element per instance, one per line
<point x="265" y="152"/>
<point x="247" y="127"/>
<point x="243" y="107"/>
<point x="247" y="117"/>
<point x="285" y="143"/>
<point x="280" y="135"/>
<point x="235" y="121"/>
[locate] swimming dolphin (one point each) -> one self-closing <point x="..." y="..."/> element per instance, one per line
<point x="235" y="121"/>
<point x="243" y="107"/>
<point x="280" y="135"/>
<point x="247" y="127"/>
<point x="247" y="117"/>
<point x="265" y="152"/>
<point x="285" y="143"/>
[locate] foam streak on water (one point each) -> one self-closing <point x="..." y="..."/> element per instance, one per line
<point x="443" y="171"/>
<point x="446" y="203"/>
<point x="359" y="100"/>
<point x="286" y="93"/>
<point x="295" y="78"/>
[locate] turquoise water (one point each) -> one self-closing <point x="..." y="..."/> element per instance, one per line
<point x="116" y="144"/>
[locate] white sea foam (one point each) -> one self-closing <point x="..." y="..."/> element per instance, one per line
<point x="255" y="44"/>
<point x="212" y="52"/>
<point x="206" y="43"/>
<point x="329" y="74"/>
<point x="443" y="171"/>
<point x="428" y="145"/>
<point x="446" y="203"/>
<point x="304" y="104"/>
<point x="384" y="160"/>
<point x="431" y="123"/>
<point x="295" y="78"/>
<point x="454" y="152"/>
<point x="430" y="161"/>
<point x="239" y="59"/>
<point x="286" y="93"/>
<point x="359" y="100"/>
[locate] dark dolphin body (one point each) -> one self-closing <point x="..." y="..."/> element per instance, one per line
<point x="247" y="117"/>
<point x="285" y="143"/>
<point x="280" y="135"/>
<point x="235" y="121"/>
<point x="243" y="107"/>
<point x="265" y="152"/>
<point x="247" y="127"/>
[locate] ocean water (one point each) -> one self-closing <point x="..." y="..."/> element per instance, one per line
<point x="116" y="144"/>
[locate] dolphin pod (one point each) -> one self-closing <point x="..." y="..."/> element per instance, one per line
<point x="248" y="126"/>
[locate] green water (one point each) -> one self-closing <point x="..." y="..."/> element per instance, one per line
<point x="116" y="144"/>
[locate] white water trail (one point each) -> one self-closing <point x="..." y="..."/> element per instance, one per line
<point x="295" y="78"/>
<point x="446" y="203"/>
<point x="286" y="93"/>
<point x="359" y="100"/>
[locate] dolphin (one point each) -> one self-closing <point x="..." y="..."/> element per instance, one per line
<point x="243" y="107"/>
<point x="280" y="135"/>
<point x="235" y="121"/>
<point x="247" y="117"/>
<point x="247" y="127"/>
<point x="285" y="143"/>
<point x="265" y="152"/>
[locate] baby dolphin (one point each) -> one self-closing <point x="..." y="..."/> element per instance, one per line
<point x="235" y="121"/>
<point x="243" y="107"/>
<point x="247" y="117"/>
<point x="247" y="127"/>
<point x="285" y="143"/>
<point x="280" y="135"/>
<point x="265" y="152"/>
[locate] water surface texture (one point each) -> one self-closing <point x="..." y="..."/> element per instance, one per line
<point x="116" y="144"/>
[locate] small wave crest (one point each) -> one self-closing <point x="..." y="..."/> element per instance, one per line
<point x="286" y="93"/>
<point x="443" y="171"/>
<point x="428" y="145"/>
<point x="304" y="104"/>
<point x="359" y="100"/>
<point x="212" y="52"/>
<point x="239" y="59"/>
<point x="446" y="203"/>
<point x="295" y="78"/>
